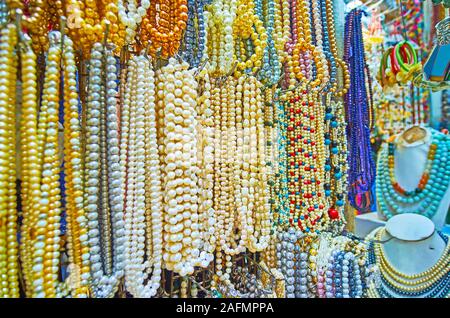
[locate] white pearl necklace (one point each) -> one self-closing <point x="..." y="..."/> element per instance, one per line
<point x="205" y="157"/>
<point x="143" y="212"/>
<point x="240" y="187"/>
<point x="105" y="277"/>
<point x="178" y="102"/>
<point x="130" y="14"/>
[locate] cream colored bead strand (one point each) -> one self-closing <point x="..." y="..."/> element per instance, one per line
<point x="205" y="149"/>
<point x="131" y="14"/>
<point x="181" y="236"/>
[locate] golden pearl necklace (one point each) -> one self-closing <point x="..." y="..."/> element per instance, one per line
<point x="8" y="213"/>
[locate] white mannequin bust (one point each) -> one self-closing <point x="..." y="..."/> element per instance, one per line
<point x="412" y="245"/>
<point x="409" y="162"/>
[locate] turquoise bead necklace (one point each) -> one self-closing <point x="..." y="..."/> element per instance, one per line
<point x="424" y="199"/>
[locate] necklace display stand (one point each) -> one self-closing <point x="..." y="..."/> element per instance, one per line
<point x="409" y="162"/>
<point x="412" y="245"/>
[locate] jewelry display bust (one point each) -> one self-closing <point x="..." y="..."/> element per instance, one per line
<point x="412" y="258"/>
<point x="410" y="159"/>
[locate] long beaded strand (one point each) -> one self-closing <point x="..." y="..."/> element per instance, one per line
<point x="8" y="213"/>
<point x="104" y="190"/>
<point x="361" y="164"/>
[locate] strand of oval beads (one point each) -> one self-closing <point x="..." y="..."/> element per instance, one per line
<point x="8" y="213"/>
<point x="178" y="92"/>
<point x="78" y="249"/>
<point x="30" y="182"/>
<point x="144" y="196"/>
<point x="205" y="159"/>
<point x="46" y="256"/>
<point x="228" y="153"/>
<point x="104" y="191"/>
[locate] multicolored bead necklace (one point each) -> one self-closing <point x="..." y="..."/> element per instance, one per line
<point x="426" y="197"/>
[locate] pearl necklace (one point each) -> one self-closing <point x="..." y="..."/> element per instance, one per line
<point x="75" y="213"/>
<point x="177" y="98"/>
<point x="432" y="283"/>
<point x="205" y="157"/>
<point x="248" y="27"/>
<point x="143" y="199"/>
<point x="196" y="34"/>
<point x="8" y="214"/>
<point x="104" y="191"/>
<point x="163" y="26"/>
<point x="131" y="15"/>
<point x="220" y="16"/>
<point x="41" y="254"/>
<point x="90" y="22"/>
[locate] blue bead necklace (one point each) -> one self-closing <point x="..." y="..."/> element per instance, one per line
<point x="194" y="38"/>
<point x="270" y="71"/>
<point x="361" y="163"/>
<point x="426" y="197"/>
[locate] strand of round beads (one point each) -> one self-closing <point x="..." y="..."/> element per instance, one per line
<point x="104" y="190"/>
<point x="4" y="13"/>
<point x="247" y="26"/>
<point x="163" y="26"/>
<point x="35" y="16"/>
<point x="432" y="283"/>
<point x="271" y="67"/>
<point x="143" y="198"/>
<point x="320" y="37"/>
<point x="334" y="50"/>
<point x="281" y="184"/>
<point x="426" y="197"/>
<point x="336" y="161"/>
<point x="130" y="14"/>
<point x="253" y="106"/>
<point x="90" y="21"/>
<point x="270" y="141"/>
<point x="8" y="198"/>
<point x="220" y="45"/>
<point x="195" y="35"/>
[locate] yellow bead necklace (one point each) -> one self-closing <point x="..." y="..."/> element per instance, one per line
<point x="8" y="214"/>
